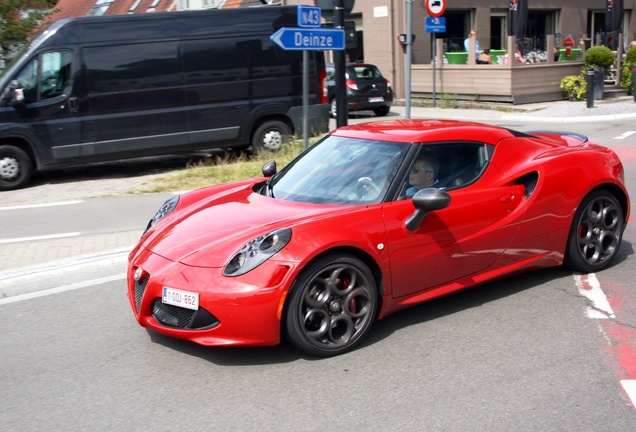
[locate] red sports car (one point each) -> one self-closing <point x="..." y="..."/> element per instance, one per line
<point x="372" y="219"/>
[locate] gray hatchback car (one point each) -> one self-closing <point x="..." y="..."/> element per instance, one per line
<point x="367" y="89"/>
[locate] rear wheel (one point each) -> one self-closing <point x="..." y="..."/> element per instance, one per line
<point x="596" y="233"/>
<point x="271" y="135"/>
<point x="331" y="306"/>
<point x="382" y="111"/>
<point x="16" y="167"/>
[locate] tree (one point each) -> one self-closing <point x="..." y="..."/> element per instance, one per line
<point x="19" y="18"/>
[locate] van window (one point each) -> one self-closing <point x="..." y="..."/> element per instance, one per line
<point x="132" y="67"/>
<point x="46" y="76"/>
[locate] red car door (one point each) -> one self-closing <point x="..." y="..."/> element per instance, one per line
<point x="463" y="239"/>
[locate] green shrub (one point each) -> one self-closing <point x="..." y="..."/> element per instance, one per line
<point x="630" y="55"/>
<point x="626" y="70"/>
<point x="599" y="56"/>
<point x="574" y="86"/>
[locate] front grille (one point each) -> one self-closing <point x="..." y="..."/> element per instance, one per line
<point x="175" y="316"/>
<point x="140" y="287"/>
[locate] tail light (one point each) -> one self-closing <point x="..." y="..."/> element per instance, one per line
<point x="351" y="85"/>
<point x="323" y="86"/>
<point x="388" y="84"/>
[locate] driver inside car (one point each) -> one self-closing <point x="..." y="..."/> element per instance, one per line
<point x="423" y="174"/>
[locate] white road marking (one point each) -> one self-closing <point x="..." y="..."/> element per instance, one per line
<point x="57" y="290"/>
<point x="625" y="135"/>
<point x="53" y="204"/>
<point x="36" y="238"/>
<point x="590" y="287"/>
<point x="630" y="388"/>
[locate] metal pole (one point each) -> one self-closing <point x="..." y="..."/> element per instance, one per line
<point x="589" y="94"/>
<point x="409" y="51"/>
<point x="305" y="99"/>
<point x="434" y="41"/>
<point x="339" y="61"/>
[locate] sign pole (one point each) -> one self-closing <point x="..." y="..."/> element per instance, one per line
<point x="305" y="99"/>
<point x="434" y="42"/>
<point x="409" y="52"/>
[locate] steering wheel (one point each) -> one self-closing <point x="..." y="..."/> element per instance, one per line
<point x="365" y="186"/>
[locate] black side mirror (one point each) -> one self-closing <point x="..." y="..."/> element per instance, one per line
<point x="269" y="169"/>
<point x="426" y="200"/>
<point x="16" y="94"/>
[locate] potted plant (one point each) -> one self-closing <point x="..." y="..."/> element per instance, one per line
<point x="601" y="58"/>
<point x="574" y="86"/>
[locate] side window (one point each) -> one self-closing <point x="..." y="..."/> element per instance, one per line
<point x="28" y="79"/>
<point x="120" y="68"/>
<point x="448" y="166"/>
<point x="46" y="76"/>
<point x="56" y="73"/>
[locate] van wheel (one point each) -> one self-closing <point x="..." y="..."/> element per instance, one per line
<point x="270" y="136"/>
<point x="16" y="167"/>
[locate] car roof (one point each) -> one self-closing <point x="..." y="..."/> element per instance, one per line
<point x="409" y="131"/>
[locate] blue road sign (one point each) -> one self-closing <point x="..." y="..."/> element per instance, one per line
<point x="308" y="16"/>
<point x="293" y="38"/>
<point x="435" y="24"/>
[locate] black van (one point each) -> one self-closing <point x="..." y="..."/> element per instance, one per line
<point x="102" y="88"/>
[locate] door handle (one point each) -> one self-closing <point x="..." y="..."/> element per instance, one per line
<point x="73" y="104"/>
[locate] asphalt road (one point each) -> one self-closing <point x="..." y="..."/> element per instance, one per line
<point x="548" y="350"/>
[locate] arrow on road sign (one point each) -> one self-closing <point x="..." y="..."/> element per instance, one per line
<point x="293" y="38"/>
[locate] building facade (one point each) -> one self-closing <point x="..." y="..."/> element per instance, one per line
<point x="379" y="23"/>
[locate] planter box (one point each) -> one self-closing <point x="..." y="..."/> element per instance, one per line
<point x="519" y="84"/>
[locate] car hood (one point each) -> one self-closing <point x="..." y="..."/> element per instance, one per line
<point x="210" y="230"/>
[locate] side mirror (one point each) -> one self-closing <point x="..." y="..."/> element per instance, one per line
<point x="426" y="200"/>
<point x="16" y="94"/>
<point x="269" y="169"/>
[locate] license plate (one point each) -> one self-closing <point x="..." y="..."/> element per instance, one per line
<point x="376" y="99"/>
<point x="184" y="299"/>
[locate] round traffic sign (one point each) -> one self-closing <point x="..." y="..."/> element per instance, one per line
<point x="435" y="8"/>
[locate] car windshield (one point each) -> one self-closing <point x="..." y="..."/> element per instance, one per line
<point x="341" y="171"/>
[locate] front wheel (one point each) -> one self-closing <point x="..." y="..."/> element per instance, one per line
<point x="271" y="135"/>
<point x="16" y="167"/>
<point x="331" y="306"/>
<point x="596" y="233"/>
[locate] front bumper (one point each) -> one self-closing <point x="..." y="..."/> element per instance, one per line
<point x="244" y="310"/>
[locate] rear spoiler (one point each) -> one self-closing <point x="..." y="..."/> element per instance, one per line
<point x="579" y="137"/>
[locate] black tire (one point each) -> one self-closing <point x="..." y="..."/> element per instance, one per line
<point x="331" y="306"/>
<point x="382" y="111"/>
<point x="333" y="108"/>
<point x="596" y="233"/>
<point x="16" y="168"/>
<point x="270" y="135"/>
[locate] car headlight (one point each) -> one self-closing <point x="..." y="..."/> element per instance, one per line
<point x="257" y="251"/>
<point x="164" y="210"/>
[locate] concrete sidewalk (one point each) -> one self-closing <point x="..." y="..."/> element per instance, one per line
<point x="619" y="108"/>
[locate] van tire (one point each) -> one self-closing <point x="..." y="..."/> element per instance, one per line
<point x="270" y="135"/>
<point x="16" y="167"/>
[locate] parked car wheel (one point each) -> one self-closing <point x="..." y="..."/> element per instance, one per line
<point x="382" y="111"/>
<point x="16" y="167"/>
<point x="596" y="233"/>
<point x="271" y="135"/>
<point x="331" y="306"/>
